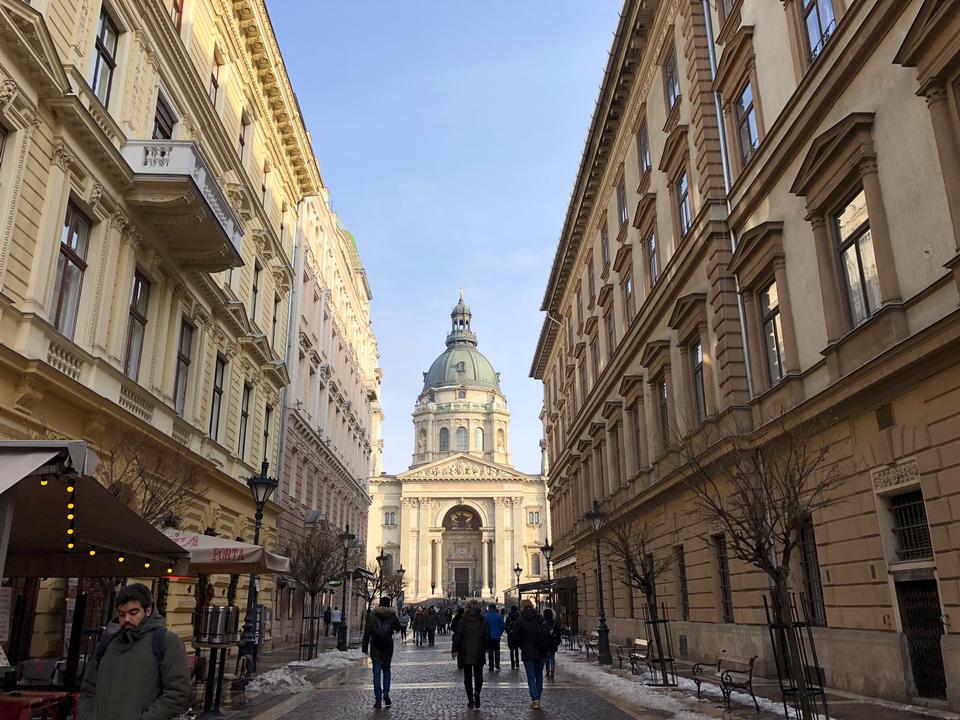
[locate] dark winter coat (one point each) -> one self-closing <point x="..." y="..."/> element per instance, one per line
<point x="129" y="681"/>
<point x="387" y="615"/>
<point x="432" y="621"/>
<point x="456" y="620"/>
<point x="512" y="618"/>
<point x="326" y="616"/>
<point x="526" y="630"/>
<point x="419" y="622"/>
<point x="554" y="627"/>
<point x="471" y="638"/>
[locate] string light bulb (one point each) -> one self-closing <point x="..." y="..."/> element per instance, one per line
<point x="121" y="558"/>
<point x="70" y="506"/>
<point x="92" y="552"/>
<point x="146" y="565"/>
<point x="70" y="488"/>
<point x="70" y="531"/>
<point x="70" y="546"/>
<point x="44" y="483"/>
<point x="169" y="571"/>
<point x="69" y="516"/>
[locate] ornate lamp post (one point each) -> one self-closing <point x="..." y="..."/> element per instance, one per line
<point x="400" y="595"/>
<point x="347" y="539"/>
<point x="381" y="559"/>
<point x="547" y="551"/>
<point x="596" y="517"/>
<point x="518" y="571"/>
<point x="261" y="487"/>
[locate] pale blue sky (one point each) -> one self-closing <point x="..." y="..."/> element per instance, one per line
<point x="449" y="134"/>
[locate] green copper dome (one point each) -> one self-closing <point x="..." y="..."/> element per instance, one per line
<point x="461" y="363"/>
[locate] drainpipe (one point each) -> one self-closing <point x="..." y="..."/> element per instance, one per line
<point x="727" y="181"/>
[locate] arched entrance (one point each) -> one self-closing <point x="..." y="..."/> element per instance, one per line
<point x="462" y="541"/>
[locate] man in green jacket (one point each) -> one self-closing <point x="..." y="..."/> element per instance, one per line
<point x="133" y="675"/>
<point x="378" y="632"/>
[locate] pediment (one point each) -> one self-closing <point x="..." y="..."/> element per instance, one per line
<point x="25" y="36"/>
<point x="461" y="467"/>
<point x="827" y="150"/>
<point x="932" y="43"/>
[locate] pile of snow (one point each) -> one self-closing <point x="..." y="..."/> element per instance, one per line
<point x="279" y="681"/>
<point x="330" y="659"/>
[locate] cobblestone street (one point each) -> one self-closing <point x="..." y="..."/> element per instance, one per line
<point x="427" y="686"/>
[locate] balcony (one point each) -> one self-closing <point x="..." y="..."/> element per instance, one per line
<point x="179" y="197"/>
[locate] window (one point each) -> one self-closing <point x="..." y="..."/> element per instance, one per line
<point x="176" y="13"/>
<point x="255" y="290"/>
<point x="818" y="18"/>
<point x="910" y="526"/>
<point x="444" y="440"/>
<point x="184" y="350"/>
<point x="638" y="438"/>
<point x="591" y="281"/>
<point x="244" y="133"/>
<point x="163" y="121"/>
<point x="615" y="454"/>
<point x="244" y="420"/>
<point x="478" y="439"/>
<point x="671" y="80"/>
<point x="682" y="582"/>
<point x="726" y="7"/>
<point x="723" y="566"/>
<point x="390" y="518"/>
<point x="580" y="308"/>
<point x="595" y="358"/>
<point x="215" y="69"/>
<point x="611" y="335"/>
<point x="643" y="149"/>
<point x="535" y="564"/>
<point x="662" y="413"/>
<point x="683" y="204"/>
<point x="857" y="259"/>
<point x="696" y="364"/>
<point x="276" y="312"/>
<point x="71" y="264"/>
<point x="810" y="564"/>
<point x="461" y="394"/>
<point x="267" y="424"/>
<point x="462" y="439"/>
<point x="772" y="332"/>
<point x="628" y="301"/>
<point x="746" y="116"/>
<point x="263" y="183"/>
<point x="136" y="326"/>
<point x="106" y="57"/>
<point x="622" y="212"/>
<point x="533" y="517"/>
<point x="219" y="369"/>
<point x="570" y="328"/>
<point x="652" y="265"/>
<point x="604" y="245"/>
<point x="583" y="380"/>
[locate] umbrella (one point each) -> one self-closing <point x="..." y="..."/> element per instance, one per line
<point x="210" y="555"/>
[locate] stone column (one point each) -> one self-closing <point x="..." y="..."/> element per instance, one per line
<point x="790" y="349"/>
<point x="423" y="563"/>
<point x="439" y="567"/>
<point x="111" y="306"/>
<point x="834" y="305"/>
<point x="948" y="147"/>
<point x="405" y="537"/>
<point x="880" y="232"/>
<point x="518" y="526"/>
<point x="485" y="543"/>
<point x="628" y="444"/>
<point x="500" y="543"/>
<point x="754" y="331"/>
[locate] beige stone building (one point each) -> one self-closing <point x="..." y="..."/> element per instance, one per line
<point x="461" y="518"/>
<point x="153" y="165"/>
<point x="765" y="221"/>
<point x="331" y="440"/>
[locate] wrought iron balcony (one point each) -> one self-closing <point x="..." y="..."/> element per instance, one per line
<point x="178" y="195"/>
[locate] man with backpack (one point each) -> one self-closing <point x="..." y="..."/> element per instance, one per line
<point x="139" y="671"/>
<point x="534" y="640"/>
<point x="377" y="642"/>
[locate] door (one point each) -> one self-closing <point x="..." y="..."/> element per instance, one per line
<point x="923" y="627"/>
<point x="462" y="578"/>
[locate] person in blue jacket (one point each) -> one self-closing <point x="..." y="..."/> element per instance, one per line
<point x="497" y="626"/>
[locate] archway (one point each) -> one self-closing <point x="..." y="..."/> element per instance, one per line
<point x="461" y="565"/>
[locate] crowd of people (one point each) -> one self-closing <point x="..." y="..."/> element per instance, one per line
<point x="533" y="639"/>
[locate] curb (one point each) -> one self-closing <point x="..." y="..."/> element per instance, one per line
<point x="274" y="712"/>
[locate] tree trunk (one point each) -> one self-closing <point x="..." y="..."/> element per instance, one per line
<point x="784" y="617"/>
<point x="657" y="642"/>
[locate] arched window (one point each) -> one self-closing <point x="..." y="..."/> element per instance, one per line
<point x="535" y="564"/>
<point x="461" y="439"/>
<point x="500" y="442"/>
<point x="444" y="440"/>
<point x="478" y="440"/>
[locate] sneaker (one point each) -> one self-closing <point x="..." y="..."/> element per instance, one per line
<point x="535" y="705"/>
<point x="387" y="701"/>
<point x="377" y="705"/>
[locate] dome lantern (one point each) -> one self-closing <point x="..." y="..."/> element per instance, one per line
<point x="461" y="364"/>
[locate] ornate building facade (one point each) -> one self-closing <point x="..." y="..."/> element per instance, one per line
<point x="764" y="229"/>
<point x="153" y="161"/>
<point x="461" y="518"/>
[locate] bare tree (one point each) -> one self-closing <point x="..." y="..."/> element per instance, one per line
<point x="631" y="543"/>
<point x="317" y="559"/>
<point x="761" y="489"/>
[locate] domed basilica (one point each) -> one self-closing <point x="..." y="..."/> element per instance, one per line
<point x="461" y="518"/>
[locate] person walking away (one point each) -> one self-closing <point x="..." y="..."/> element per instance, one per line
<point x="431" y="624"/>
<point x="456" y="619"/>
<point x="419" y="626"/>
<point x="533" y="641"/>
<point x="404" y="624"/>
<point x="470" y="641"/>
<point x="497" y="625"/>
<point x="336" y="617"/>
<point x="377" y="641"/>
<point x="327" y="617"/>
<point x="140" y="671"/>
<point x="512" y="646"/>
<point x="553" y="628"/>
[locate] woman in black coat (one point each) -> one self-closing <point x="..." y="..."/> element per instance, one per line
<point x="470" y="640"/>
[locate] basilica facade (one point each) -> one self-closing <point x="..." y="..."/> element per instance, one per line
<point x="460" y="519"/>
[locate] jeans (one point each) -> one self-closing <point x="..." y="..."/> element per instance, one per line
<point x="472" y="679"/>
<point x="381" y="667"/>
<point x="430" y="634"/>
<point x="551" y="661"/>
<point x="493" y="654"/>
<point x="515" y="657"/>
<point x="326" y="629"/>
<point x="534" y="670"/>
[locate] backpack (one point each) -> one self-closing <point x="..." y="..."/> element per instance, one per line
<point x="381" y="634"/>
<point x="158" y="641"/>
<point x="544" y="636"/>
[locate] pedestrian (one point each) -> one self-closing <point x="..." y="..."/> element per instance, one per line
<point x="430" y="623"/>
<point x="140" y="671"/>
<point x="419" y="626"/>
<point x="336" y="618"/>
<point x="512" y="617"/>
<point x="404" y="624"/>
<point x="456" y="619"/>
<point x="327" y="616"/>
<point x="553" y="627"/>
<point x="378" y="632"/>
<point x="532" y="639"/>
<point x="497" y="625"/>
<point x="470" y="641"/>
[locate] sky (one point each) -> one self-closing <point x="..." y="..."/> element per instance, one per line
<point x="449" y="134"/>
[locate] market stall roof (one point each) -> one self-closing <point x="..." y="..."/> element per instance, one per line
<point x="210" y="555"/>
<point x="37" y="477"/>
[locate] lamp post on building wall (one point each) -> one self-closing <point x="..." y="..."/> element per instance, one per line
<point x="518" y="571"/>
<point x="261" y="488"/>
<point x="347" y="539"/>
<point x="381" y="559"/>
<point x="547" y="551"/>
<point x="596" y="517"/>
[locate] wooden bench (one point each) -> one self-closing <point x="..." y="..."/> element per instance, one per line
<point x="639" y="655"/>
<point x="730" y="672"/>
<point x="592" y="642"/>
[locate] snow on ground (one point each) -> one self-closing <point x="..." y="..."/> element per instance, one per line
<point x="330" y="659"/>
<point x="292" y="677"/>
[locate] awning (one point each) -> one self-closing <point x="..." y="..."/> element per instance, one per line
<point x="38" y="497"/>
<point x="210" y="555"/>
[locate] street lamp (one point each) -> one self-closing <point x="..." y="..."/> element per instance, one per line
<point x="518" y="571"/>
<point x="261" y="487"/>
<point x="347" y="539"/>
<point x="596" y="517"/>
<point x="401" y="595"/>
<point x="381" y="560"/>
<point x="547" y="551"/>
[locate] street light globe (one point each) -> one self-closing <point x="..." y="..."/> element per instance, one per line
<point x="547" y="551"/>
